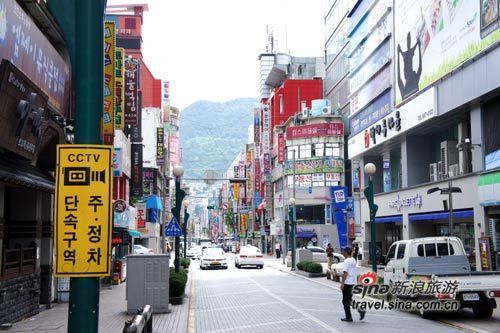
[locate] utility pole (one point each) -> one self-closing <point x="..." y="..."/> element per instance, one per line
<point x="82" y="24"/>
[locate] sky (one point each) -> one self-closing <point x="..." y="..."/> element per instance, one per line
<point x="208" y="49"/>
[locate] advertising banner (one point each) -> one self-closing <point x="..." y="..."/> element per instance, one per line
<point x="119" y="87"/>
<point x="256" y="127"/>
<point x="281" y="148"/>
<point x="267" y="163"/>
<point x="117" y="162"/>
<point x="386" y="164"/>
<point x="160" y="146"/>
<point x="433" y="37"/>
<point x="24" y="45"/>
<point x="257" y="173"/>
<point x="136" y="171"/>
<point x="136" y="130"/>
<point x="374" y="63"/>
<point x="174" y="150"/>
<point x="108" y="118"/>
<point x="339" y="203"/>
<point x="83" y="210"/>
<point x="325" y="164"/>
<point x="372" y="89"/>
<point x="131" y="86"/>
<point x="315" y="130"/>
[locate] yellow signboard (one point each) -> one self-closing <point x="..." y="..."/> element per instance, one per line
<point x="109" y="78"/>
<point x="83" y="220"/>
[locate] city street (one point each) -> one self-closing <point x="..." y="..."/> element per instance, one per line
<point x="268" y="300"/>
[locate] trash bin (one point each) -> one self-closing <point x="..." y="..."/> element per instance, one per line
<point x="147" y="282"/>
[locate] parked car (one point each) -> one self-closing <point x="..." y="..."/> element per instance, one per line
<point x="443" y="259"/>
<point x="213" y="257"/>
<point x="249" y="256"/>
<point x="194" y="252"/>
<point x="140" y="249"/>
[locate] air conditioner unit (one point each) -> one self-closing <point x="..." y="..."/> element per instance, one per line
<point x="453" y="170"/>
<point x="326" y="110"/>
<point x="305" y="112"/>
<point x="440" y="171"/>
<point x="433" y="172"/>
<point x="449" y="156"/>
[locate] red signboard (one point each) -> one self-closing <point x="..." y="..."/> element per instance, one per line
<point x="281" y="148"/>
<point x="315" y="130"/>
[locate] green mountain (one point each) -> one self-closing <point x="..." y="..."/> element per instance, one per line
<point x="213" y="133"/>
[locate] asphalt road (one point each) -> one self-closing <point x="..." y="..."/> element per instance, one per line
<point x="268" y="300"/>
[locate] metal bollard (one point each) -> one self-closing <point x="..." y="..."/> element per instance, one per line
<point x="142" y="322"/>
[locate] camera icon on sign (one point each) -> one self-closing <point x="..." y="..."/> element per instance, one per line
<point x="82" y="176"/>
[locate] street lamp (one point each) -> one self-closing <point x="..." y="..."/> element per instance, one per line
<point x="370" y="170"/>
<point x="178" y="171"/>
<point x="447" y="190"/>
<point x="291" y="213"/>
<point x="186" y="217"/>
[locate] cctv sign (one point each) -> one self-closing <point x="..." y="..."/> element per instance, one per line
<point x="83" y="207"/>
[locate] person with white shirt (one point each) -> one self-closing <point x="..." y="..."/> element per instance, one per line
<point x="349" y="274"/>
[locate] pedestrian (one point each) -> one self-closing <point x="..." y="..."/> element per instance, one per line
<point x="349" y="275"/>
<point x="278" y="250"/>
<point x="329" y="255"/>
<point x="356" y="252"/>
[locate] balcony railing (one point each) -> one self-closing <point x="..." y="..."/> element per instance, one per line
<point x="18" y="262"/>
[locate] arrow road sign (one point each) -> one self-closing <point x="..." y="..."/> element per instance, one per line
<point x="173" y="228"/>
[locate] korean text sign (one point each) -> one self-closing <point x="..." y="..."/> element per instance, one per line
<point x="83" y="210"/>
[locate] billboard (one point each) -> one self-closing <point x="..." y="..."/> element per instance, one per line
<point x="119" y="90"/>
<point x="433" y="37"/>
<point x="108" y="117"/>
<point x="315" y="130"/>
<point x="131" y="87"/>
<point x="325" y="164"/>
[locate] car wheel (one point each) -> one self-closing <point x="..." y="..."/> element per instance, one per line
<point x="261" y="266"/>
<point x="336" y="260"/>
<point x="484" y="312"/>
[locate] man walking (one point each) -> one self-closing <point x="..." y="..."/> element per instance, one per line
<point x="278" y="250"/>
<point x="348" y="281"/>
<point x="329" y="255"/>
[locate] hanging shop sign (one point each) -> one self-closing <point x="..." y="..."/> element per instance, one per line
<point x="160" y="146"/>
<point x="25" y="46"/>
<point x="136" y="188"/>
<point x="108" y="118"/>
<point x="83" y="210"/>
<point x="281" y="148"/>
<point x="315" y="130"/>
<point x="412" y="201"/>
<point x="140" y="218"/>
<point x="266" y="129"/>
<point x="119" y="87"/>
<point x="117" y="162"/>
<point x="486" y="254"/>
<point x="131" y="87"/>
<point x="119" y="206"/>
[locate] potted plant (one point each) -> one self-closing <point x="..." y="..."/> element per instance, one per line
<point x="185" y="262"/>
<point x="177" y="286"/>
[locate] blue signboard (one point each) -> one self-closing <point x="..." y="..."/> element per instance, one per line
<point x="380" y="107"/>
<point x="173" y="228"/>
<point x="340" y="202"/>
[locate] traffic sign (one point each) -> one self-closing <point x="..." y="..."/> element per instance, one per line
<point x="173" y="228"/>
<point x="225" y="205"/>
<point x="83" y="210"/>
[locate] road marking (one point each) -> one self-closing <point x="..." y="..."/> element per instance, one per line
<point x="229" y="294"/>
<point x="192" y="304"/>
<point x="236" y="306"/>
<point x="290" y="305"/>
<point x="233" y="329"/>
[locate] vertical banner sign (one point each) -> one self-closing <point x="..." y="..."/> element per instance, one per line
<point x="136" y="189"/>
<point x="83" y="209"/>
<point x="109" y="78"/>
<point x="160" y="147"/>
<point x="131" y="82"/>
<point x="339" y="202"/>
<point x="119" y="89"/>
<point x="256" y="128"/>
<point x="266" y="129"/>
<point x="485" y="253"/>
<point x="281" y="148"/>
<point x="351" y="221"/>
<point x="136" y="130"/>
<point x="387" y="174"/>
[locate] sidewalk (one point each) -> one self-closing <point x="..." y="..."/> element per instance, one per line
<point x="112" y="315"/>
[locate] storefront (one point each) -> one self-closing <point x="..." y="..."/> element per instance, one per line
<point x="489" y="198"/>
<point x="413" y="213"/>
<point x="34" y="95"/>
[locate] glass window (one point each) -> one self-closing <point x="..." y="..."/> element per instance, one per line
<point x="332" y="149"/>
<point x="305" y="151"/>
<point x="420" y="250"/>
<point x="319" y="149"/>
<point x="390" y="254"/>
<point x="289" y="152"/>
<point x="401" y="250"/>
<point x="430" y="250"/>
<point x="281" y="104"/>
<point x="442" y="249"/>
<point x="452" y="250"/>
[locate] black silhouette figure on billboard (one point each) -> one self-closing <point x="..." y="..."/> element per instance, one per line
<point x="411" y="77"/>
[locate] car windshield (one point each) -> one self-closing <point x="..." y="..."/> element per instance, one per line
<point x="249" y="249"/>
<point x="213" y="252"/>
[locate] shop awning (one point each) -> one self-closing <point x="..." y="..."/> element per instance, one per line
<point x="21" y="173"/>
<point x="134" y="233"/>
<point x="389" y="219"/>
<point x="442" y="215"/>
<point x="154" y="202"/>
